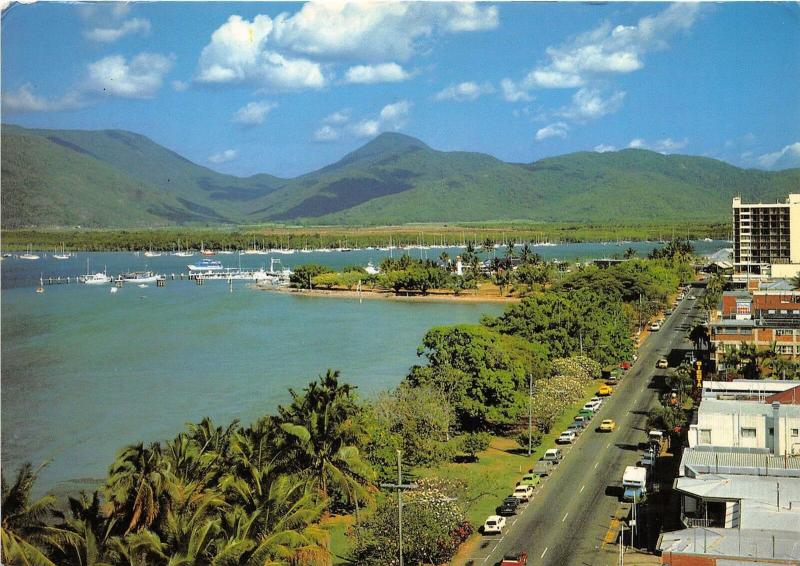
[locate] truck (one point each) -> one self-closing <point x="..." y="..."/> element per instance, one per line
<point x="634" y="484"/>
<point x="658" y="441"/>
<point x="515" y="559"/>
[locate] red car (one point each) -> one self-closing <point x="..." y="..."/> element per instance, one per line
<point x="518" y="559"/>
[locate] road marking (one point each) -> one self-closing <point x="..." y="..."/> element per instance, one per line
<point x="582" y="488"/>
<point x="608" y="445"/>
<point x="565" y="517"/>
<point x="543" y="553"/>
<point x="595" y="466"/>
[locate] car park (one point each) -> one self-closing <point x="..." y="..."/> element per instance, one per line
<point x="662" y="363"/>
<point x="567" y="437"/>
<point x="523" y="492"/>
<point x="494" y="525"/>
<point x="608" y="425"/>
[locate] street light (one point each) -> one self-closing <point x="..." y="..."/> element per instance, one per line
<point x="400" y="486"/>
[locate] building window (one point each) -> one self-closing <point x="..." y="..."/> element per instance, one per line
<point x="783" y="331"/>
<point x="783" y="349"/>
<point x="705" y="436"/>
<point x="771" y="311"/>
<point x="796" y="432"/>
<point x="748" y="433"/>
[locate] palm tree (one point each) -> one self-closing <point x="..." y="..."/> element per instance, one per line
<point x="137" y="484"/>
<point x="796" y="281"/>
<point x="324" y="435"/>
<point x="93" y="532"/>
<point x="25" y="536"/>
<point x="630" y="253"/>
<point x="444" y="257"/>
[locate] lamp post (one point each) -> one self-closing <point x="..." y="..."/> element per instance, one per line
<point x="399" y="486"/>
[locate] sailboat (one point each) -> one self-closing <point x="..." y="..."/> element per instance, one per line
<point x="94" y="278"/>
<point x="180" y="253"/>
<point x="62" y="254"/>
<point x="151" y="253"/>
<point x="29" y="254"/>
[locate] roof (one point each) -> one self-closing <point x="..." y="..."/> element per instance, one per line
<point x="733" y="323"/>
<point x="776" y="285"/>
<point x="711" y="406"/>
<point x="777" y="544"/>
<point x="737" y="460"/>
<point x="738" y="293"/>
<point x="748" y="385"/>
<point x="789" y="396"/>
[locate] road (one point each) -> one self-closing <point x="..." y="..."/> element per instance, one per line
<point x="570" y="519"/>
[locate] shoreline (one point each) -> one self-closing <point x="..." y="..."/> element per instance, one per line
<point x="389" y="295"/>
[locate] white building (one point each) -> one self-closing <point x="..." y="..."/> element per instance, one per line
<point x="747" y="424"/>
<point x="767" y="237"/>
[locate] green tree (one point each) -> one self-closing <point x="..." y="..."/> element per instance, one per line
<point x="26" y="536"/>
<point x="303" y="275"/>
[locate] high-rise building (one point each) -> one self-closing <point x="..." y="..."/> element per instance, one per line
<point x="767" y="237"/>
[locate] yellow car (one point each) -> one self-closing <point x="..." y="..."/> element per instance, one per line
<point x="605" y="390"/>
<point x="608" y="425"/>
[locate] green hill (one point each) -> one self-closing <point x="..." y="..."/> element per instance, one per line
<point x="118" y="178"/>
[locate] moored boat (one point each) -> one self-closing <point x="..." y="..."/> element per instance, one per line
<point x="206" y="265"/>
<point x="139" y="277"/>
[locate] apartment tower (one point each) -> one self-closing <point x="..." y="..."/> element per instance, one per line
<point x="767" y="238"/>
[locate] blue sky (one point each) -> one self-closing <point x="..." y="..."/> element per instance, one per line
<point x="285" y="88"/>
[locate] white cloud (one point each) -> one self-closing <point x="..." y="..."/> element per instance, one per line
<point x="139" y="78"/>
<point x="111" y="34"/>
<point x="25" y="100"/>
<point x="784" y="158"/>
<point x="253" y="113"/>
<point x="224" y="156"/>
<point x="366" y="128"/>
<point x="603" y="148"/>
<point x="383" y="73"/>
<point x="179" y="86"/>
<point x="238" y="53"/>
<point x="589" y="104"/>
<point x="556" y="130"/>
<point x="338" y="117"/>
<point x="637" y="143"/>
<point x="513" y="93"/>
<point x="375" y="31"/>
<point x="326" y="134"/>
<point x="394" y="115"/>
<point x="295" y="51"/>
<point x="463" y="92"/>
<point x="611" y="50"/>
<point x="667" y="145"/>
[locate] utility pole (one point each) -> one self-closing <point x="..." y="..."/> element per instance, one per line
<point x="400" y="486"/>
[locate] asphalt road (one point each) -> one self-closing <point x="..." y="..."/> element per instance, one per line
<point x="571" y="518"/>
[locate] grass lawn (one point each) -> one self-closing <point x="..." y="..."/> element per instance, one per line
<point x="341" y="544"/>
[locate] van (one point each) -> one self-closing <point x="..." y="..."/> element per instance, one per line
<point x="553" y="455"/>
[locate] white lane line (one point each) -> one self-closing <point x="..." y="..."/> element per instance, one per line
<point x="595" y="466"/>
<point x="565" y="517"/>
<point x="582" y="488"/>
<point x="608" y="445"/>
<point x="543" y="553"/>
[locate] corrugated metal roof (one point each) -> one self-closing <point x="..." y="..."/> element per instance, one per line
<point x="711" y="406"/>
<point x="737" y="461"/>
<point x="736" y="543"/>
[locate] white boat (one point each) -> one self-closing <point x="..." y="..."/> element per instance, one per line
<point x="371" y="269"/>
<point x="95" y="279"/>
<point x="29" y="255"/>
<point x="151" y="253"/>
<point x="62" y="254"/>
<point x="139" y="277"/>
<point x="180" y="253"/>
<point x="206" y="265"/>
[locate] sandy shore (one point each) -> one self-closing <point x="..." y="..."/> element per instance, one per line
<point x="432" y="296"/>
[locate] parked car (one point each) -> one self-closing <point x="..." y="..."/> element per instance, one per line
<point x="530" y="479"/>
<point x="581" y="420"/>
<point x="508" y="507"/>
<point x="655" y="327"/>
<point x="553" y="455"/>
<point x="494" y="525"/>
<point x="516" y="559"/>
<point x="542" y="467"/>
<point x="668" y="312"/>
<point x="608" y="425"/>
<point x="586" y="413"/>
<point x="692" y="297"/>
<point x="575" y="427"/>
<point x="662" y="363"/>
<point x="567" y="437"/>
<point x="605" y="390"/>
<point x="524" y="492"/>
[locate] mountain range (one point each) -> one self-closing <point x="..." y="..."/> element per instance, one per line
<point x="115" y="178"/>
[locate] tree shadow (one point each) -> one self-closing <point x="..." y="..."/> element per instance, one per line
<point x="614" y="491"/>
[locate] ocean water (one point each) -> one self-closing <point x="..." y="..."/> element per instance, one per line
<point x="85" y="372"/>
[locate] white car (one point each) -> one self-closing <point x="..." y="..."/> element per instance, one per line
<point x="523" y="492"/>
<point x="592" y="406"/>
<point x="655" y="327"/>
<point x="567" y="437"/>
<point x="494" y="525"/>
<point x="692" y="297"/>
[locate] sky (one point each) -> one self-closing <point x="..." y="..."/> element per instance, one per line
<point x="286" y="88"/>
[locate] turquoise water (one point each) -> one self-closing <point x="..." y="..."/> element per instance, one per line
<point x="85" y="372"/>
